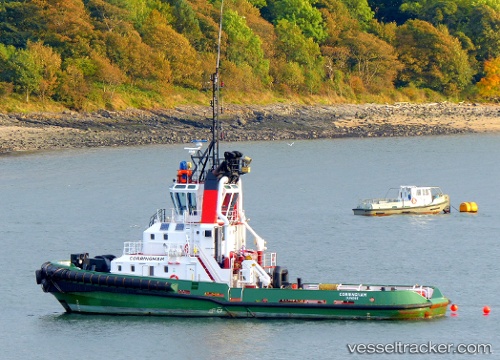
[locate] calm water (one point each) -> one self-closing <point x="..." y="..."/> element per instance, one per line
<point x="299" y="198"/>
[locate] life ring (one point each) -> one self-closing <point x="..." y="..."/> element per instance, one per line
<point x="184" y="176"/>
<point x="413" y="201"/>
<point x="174" y="277"/>
<point x="186" y="249"/>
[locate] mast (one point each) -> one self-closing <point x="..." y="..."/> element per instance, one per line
<point x="216" y="98"/>
<point x="209" y="159"/>
<point x="213" y="149"/>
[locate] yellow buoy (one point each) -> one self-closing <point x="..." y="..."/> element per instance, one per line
<point x="468" y="207"/>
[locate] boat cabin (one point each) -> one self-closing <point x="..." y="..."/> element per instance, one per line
<point x="421" y="195"/>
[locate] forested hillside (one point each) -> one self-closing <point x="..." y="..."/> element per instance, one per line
<point x="116" y="54"/>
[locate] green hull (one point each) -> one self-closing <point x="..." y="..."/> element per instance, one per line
<point x="82" y="293"/>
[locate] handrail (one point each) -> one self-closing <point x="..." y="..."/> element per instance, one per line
<point x="132" y="247"/>
<point x="209" y="263"/>
<point x="160" y="215"/>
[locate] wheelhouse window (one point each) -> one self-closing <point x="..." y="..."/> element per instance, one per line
<point x="185" y="201"/>
<point x="132" y="268"/>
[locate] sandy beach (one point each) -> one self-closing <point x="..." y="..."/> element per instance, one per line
<point x="46" y="131"/>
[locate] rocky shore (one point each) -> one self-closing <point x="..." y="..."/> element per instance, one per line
<point x="44" y="131"/>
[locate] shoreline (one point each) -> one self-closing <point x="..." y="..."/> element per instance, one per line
<point x="53" y="131"/>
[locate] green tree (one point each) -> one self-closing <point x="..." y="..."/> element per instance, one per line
<point x="433" y="58"/>
<point x="244" y="46"/>
<point x="27" y="72"/>
<point x="483" y="28"/>
<point x="185" y="21"/>
<point x="360" y="10"/>
<point x="297" y="50"/>
<point x="294" y="45"/>
<point x="7" y="73"/>
<point x="288" y="75"/>
<point x="388" y="11"/>
<point x="494" y="4"/>
<point x="18" y="22"/>
<point x="301" y="13"/>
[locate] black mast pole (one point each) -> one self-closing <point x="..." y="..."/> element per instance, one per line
<point x="215" y="98"/>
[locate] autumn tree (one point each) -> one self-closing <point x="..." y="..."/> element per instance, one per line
<point x="48" y="63"/>
<point x="108" y="75"/>
<point x="182" y="57"/>
<point x="489" y="85"/>
<point x="73" y="86"/>
<point x="68" y="26"/>
<point x="373" y="60"/>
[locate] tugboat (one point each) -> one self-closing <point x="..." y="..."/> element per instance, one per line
<point x="195" y="260"/>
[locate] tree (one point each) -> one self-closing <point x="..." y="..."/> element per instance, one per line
<point x="489" y="85"/>
<point x="297" y="52"/>
<point x="185" y="21"/>
<point x="294" y="45"/>
<point x="27" y="72"/>
<point x="18" y="22"/>
<point x="288" y="75"/>
<point x="107" y="74"/>
<point x="360" y="10"/>
<point x="387" y="11"/>
<point x="7" y="73"/>
<point x="483" y="28"/>
<point x="244" y="46"/>
<point x="144" y="66"/>
<point x="73" y="87"/>
<point x="182" y="57"/>
<point x="68" y="26"/>
<point x="301" y="13"/>
<point x="432" y="58"/>
<point x="49" y="64"/>
<point x="373" y="60"/>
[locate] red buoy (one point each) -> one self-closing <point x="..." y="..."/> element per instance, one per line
<point x="486" y="310"/>
<point x="453" y="307"/>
